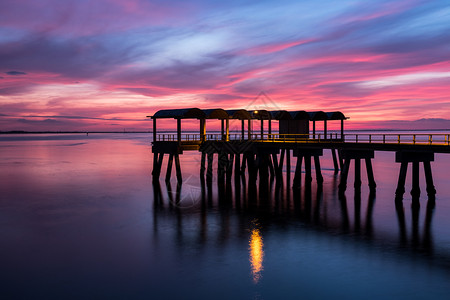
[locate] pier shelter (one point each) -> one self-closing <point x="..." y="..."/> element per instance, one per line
<point x="264" y="150"/>
<point x="292" y="126"/>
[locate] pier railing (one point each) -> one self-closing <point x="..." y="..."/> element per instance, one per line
<point x="361" y="138"/>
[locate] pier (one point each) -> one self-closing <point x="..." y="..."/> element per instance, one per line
<point x="282" y="134"/>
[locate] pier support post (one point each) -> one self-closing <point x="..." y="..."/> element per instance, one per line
<point x="157" y="164"/>
<point x="340" y="158"/>
<point x="202" y="165"/>
<point x="415" y="190"/>
<point x="307" y="155"/>
<point x="319" y="177"/>
<point x="356" y="155"/>
<point x="357" y="184"/>
<point x="401" y="181"/>
<point x="431" y="191"/>
<point x="178" y="168"/>
<point x="222" y="162"/>
<point x="209" y="172"/>
<point x="229" y="169"/>
<point x="288" y="167"/>
<point x="405" y="157"/>
<point x="308" y="177"/>
<point x="344" y="176"/>
<point x="298" y="172"/>
<point x="272" y="164"/>
<point x="370" y="177"/>
<point x="169" y="167"/>
<point x="279" y="164"/>
<point x="335" y="162"/>
<point x="237" y="167"/>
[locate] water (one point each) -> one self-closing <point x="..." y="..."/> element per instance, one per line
<point x="79" y="220"/>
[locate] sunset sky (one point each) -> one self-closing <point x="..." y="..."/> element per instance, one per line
<point x="106" y="64"/>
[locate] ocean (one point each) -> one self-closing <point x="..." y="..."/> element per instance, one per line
<point x="80" y="218"/>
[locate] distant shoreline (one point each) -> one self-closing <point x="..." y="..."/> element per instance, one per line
<point x="193" y="131"/>
<point x="67" y="132"/>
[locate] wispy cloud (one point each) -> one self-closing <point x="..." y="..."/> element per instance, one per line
<point x="111" y="59"/>
<point x="15" y="73"/>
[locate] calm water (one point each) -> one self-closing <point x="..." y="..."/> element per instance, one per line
<point x="80" y="219"/>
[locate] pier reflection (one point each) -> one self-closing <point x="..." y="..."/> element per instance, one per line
<point x="226" y="211"/>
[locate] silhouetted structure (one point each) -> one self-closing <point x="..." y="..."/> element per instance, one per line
<point x="265" y="151"/>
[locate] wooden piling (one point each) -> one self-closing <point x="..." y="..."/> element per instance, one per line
<point x="319" y="177"/>
<point x="298" y="172"/>
<point x="335" y="162"/>
<point x="288" y="167"/>
<point x="178" y="168"/>
<point x="370" y="177"/>
<point x="169" y="168"/>
<point x="431" y="191"/>
<point x="237" y="167"/>
<point x="308" y="177"/>
<point x="401" y="181"/>
<point x="209" y="172"/>
<point x="202" y="164"/>
<point x="344" y="176"/>
<point x="415" y="191"/>
<point x="358" y="182"/>
<point x="229" y="169"/>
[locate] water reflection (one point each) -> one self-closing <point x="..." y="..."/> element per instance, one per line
<point x="256" y="253"/>
<point x="426" y="242"/>
<point x="325" y="209"/>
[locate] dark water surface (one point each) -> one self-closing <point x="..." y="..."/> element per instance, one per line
<point x="80" y="219"/>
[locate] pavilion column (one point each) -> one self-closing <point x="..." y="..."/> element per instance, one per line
<point x="314" y="129"/>
<point x="325" y="128"/>
<point x="154" y="129"/>
<point x="342" y="128"/>
<point x="179" y="130"/>
<point x="249" y="128"/>
<point x="270" y="126"/>
<point x="262" y="129"/>
<point x="222" y="131"/>
<point x="228" y="129"/>
<point x="242" y="129"/>
<point x="202" y="130"/>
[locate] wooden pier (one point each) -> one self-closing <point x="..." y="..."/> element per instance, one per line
<point x="264" y="152"/>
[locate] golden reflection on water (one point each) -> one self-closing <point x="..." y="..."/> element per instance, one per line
<point x="256" y="254"/>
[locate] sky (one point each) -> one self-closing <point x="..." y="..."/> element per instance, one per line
<point x="107" y="64"/>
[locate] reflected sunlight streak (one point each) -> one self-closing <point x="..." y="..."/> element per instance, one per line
<point x="256" y="254"/>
